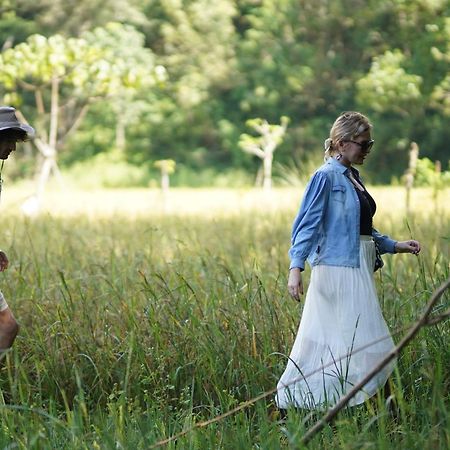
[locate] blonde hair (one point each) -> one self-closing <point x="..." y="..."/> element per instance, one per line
<point x="348" y="126"/>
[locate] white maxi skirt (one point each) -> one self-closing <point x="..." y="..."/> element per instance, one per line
<point x="341" y="315"/>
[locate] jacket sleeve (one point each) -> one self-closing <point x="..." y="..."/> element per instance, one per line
<point x="309" y="218"/>
<point x="385" y="243"/>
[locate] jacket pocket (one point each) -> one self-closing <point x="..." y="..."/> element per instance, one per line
<point x="338" y="193"/>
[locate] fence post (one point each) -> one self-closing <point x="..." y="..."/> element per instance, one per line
<point x="410" y="174"/>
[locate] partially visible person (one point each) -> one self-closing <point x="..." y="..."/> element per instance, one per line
<point x="11" y="132"/>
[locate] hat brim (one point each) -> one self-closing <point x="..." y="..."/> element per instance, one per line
<point x="18" y="126"/>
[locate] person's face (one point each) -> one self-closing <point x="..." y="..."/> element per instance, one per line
<point x="356" y="150"/>
<point x="6" y="147"/>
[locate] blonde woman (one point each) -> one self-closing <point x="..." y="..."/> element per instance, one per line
<point x="334" y="232"/>
<point x="11" y="131"/>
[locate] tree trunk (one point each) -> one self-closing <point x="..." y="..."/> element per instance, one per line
<point x="54" y="114"/>
<point x="259" y="176"/>
<point x="267" y="183"/>
<point x="49" y="150"/>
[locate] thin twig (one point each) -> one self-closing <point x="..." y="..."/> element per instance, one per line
<point x="75" y="125"/>
<point x="436" y="319"/>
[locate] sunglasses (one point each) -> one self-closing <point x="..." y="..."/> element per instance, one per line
<point x="365" y="145"/>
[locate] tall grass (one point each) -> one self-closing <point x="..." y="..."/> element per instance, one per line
<point x="136" y="328"/>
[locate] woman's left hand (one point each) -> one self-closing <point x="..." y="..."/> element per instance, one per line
<point x="410" y="246"/>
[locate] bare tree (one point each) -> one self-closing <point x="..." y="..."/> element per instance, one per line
<point x="264" y="145"/>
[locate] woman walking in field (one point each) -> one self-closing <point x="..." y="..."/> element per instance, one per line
<point x="11" y="131"/>
<point x="333" y="231"/>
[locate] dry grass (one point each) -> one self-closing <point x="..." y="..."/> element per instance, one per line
<point x="138" y="321"/>
<point x="205" y="202"/>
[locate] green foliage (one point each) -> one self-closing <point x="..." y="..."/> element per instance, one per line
<point x="100" y="63"/>
<point x="14" y="29"/>
<point x="387" y="87"/>
<point x="126" y="66"/>
<point x="212" y="177"/>
<point x="40" y="59"/>
<point x="441" y="92"/>
<point x="427" y="175"/>
<point x="165" y="165"/>
<point x="60" y="16"/>
<point x="441" y="96"/>
<point x="190" y="73"/>
<point x="107" y="169"/>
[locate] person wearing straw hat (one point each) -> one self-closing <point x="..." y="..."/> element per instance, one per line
<point x="11" y="132"/>
<point x="342" y="333"/>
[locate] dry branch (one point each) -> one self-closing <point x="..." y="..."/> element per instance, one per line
<point x="422" y="321"/>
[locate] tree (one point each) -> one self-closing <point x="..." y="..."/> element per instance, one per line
<point x="404" y="90"/>
<point x="43" y="67"/>
<point x="132" y="70"/>
<point x="264" y="145"/>
<point x="195" y="41"/>
<point x="64" y="77"/>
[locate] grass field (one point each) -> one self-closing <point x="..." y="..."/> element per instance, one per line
<point x="140" y="318"/>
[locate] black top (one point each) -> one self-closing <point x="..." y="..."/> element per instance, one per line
<point x="367" y="206"/>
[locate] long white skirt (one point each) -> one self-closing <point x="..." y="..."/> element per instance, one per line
<point x="341" y="315"/>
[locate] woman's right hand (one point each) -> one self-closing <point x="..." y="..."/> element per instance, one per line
<point x="295" y="283"/>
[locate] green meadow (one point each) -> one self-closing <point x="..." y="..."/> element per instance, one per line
<point x="142" y="316"/>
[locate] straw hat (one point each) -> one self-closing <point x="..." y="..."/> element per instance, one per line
<point x="8" y="121"/>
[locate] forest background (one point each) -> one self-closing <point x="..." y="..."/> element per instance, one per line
<point x="144" y="80"/>
<point x="143" y="313"/>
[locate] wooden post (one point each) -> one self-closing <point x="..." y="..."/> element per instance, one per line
<point x="437" y="185"/>
<point x="167" y="167"/>
<point x="410" y="173"/>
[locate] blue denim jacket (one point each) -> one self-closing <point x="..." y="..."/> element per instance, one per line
<point x="326" y="229"/>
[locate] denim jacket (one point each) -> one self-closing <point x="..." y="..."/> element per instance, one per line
<point x="326" y="229"/>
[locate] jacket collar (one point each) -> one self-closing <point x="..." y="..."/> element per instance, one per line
<point x="340" y="167"/>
